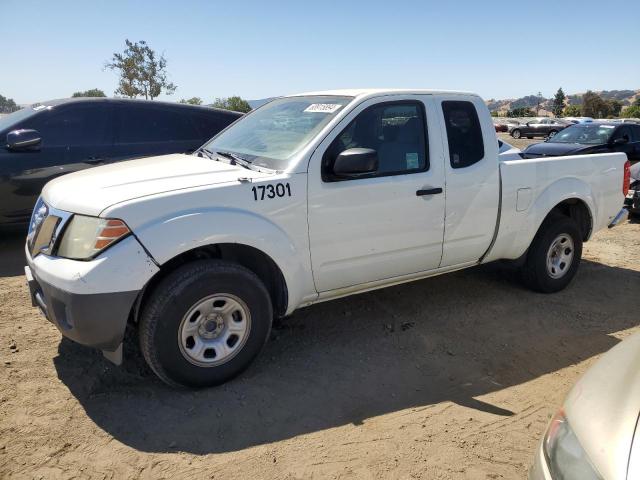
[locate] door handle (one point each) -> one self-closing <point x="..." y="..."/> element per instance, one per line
<point x="429" y="191"/>
<point x="93" y="160"/>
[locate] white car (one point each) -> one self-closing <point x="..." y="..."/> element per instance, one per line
<point x="308" y="198"/>
<point x="595" y="435"/>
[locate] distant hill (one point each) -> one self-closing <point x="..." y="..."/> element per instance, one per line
<point x="626" y="97"/>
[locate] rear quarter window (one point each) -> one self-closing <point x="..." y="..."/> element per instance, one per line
<point x="464" y="133"/>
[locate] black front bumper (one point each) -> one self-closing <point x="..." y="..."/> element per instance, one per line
<point x="96" y="320"/>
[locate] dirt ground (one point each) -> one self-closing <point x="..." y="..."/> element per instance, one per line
<point x="453" y="377"/>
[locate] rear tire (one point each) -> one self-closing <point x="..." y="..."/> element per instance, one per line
<point x="552" y="133"/>
<point x="204" y="323"/>
<point x="515" y="133"/>
<point x="554" y="255"/>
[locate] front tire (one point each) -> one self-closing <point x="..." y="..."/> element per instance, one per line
<point x="552" y="133"/>
<point x="554" y="255"/>
<point x="516" y="133"/>
<point x="204" y="323"/>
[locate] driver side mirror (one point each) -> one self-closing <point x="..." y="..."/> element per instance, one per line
<point x="23" y="139"/>
<point x="620" y="141"/>
<point x="356" y="162"/>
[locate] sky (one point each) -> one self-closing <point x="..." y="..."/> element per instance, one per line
<point x="258" y="49"/>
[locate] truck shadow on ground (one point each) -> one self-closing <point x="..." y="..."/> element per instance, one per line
<point x="12" y="259"/>
<point x="450" y="338"/>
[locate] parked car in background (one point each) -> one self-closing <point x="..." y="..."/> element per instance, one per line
<point x="632" y="202"/>
<point x="586" y="138"/>
<point x="500" y="126"/>
<point x="578" y="119"/>
<point x="538" y="127"/>
<point x="50" y="139"/>
<point x="620" y="120"/>
<point x="594" y="435"/>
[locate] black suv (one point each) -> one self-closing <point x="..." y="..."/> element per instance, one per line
<point x="50" y="139"/>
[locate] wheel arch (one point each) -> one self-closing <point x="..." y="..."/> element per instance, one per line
<point x="260" y="263"/>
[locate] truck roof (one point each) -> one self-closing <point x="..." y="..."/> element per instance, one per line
<point x="365" y="92"/>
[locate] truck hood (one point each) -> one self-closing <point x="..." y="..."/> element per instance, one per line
<point x="557" y="149"/>
<point x="90" y="191"/>
<point x="603" y="407"/>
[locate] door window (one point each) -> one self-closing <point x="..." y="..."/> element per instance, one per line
<point x="74" y="125"/>
<point x="145" y="124"/>
<point x="622" y="132"/>
<point x="395" y="130"/>
<point x="464" y="134"/>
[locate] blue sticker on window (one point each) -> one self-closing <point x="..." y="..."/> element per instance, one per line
<point x="412" y="160"/>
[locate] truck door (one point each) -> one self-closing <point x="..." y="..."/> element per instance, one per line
<point x="472" y="177"/>
<point x="389" y="223"/>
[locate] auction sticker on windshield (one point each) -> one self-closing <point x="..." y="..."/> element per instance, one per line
<point x="323" y="107"/>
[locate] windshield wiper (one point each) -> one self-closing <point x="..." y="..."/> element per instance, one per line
<point x="237" y="159"/>
<point x="207" y="153"/>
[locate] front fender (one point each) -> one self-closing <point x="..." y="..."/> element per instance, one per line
<point x="168" y="237"/>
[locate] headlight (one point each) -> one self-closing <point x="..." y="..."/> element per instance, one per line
<point x="565" y="456"/>
<point x="85" y="237"/>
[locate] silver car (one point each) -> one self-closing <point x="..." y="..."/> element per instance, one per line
<point x="594" y="435"/>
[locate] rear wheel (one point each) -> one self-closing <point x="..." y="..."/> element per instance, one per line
<point x="204" y="323"/>
<point x="516" y="133"/>
<point x="552" y="133"/>
<point x="554" y="255"/>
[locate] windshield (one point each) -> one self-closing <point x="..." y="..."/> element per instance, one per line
<point x="275" y="132"/>
<point x="584" y="133"/>
<point x="15" y="117"/>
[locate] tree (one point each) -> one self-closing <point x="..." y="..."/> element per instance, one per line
<point x="192" y="101"/>
<point x="7" y="105"/>
<point x="94" y="92"/>
<point x="593" y="105"/>
<point x="142" y="72"/>
<point x="631" y="112"/>
<point x="558" y="103"/>
<point x="637" y="102"/>
<point x="234" y="103"/>
<point x="520" y="112"/>
<point x="572" y="111"/>
<point x="615" y="107"/>
<point x="538" y="103"/>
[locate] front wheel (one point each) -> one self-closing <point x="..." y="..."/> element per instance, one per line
<point x="516" y="133"/>
<point x="204" y="323"/>
<point x="552" y="133"/>
<point x="554" y="255"/>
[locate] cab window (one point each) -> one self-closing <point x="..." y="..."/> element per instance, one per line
<point x="395" y="130"/>
<point x="464" y="134"/>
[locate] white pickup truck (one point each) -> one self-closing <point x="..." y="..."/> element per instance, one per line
<point x="308" y="198"/>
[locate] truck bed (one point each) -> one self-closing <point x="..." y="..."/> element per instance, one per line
<point x="531" y="188"/>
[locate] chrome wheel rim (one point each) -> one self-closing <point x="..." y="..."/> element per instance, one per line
<point x="560" y="256"/>
<point x="214" y="330"/>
